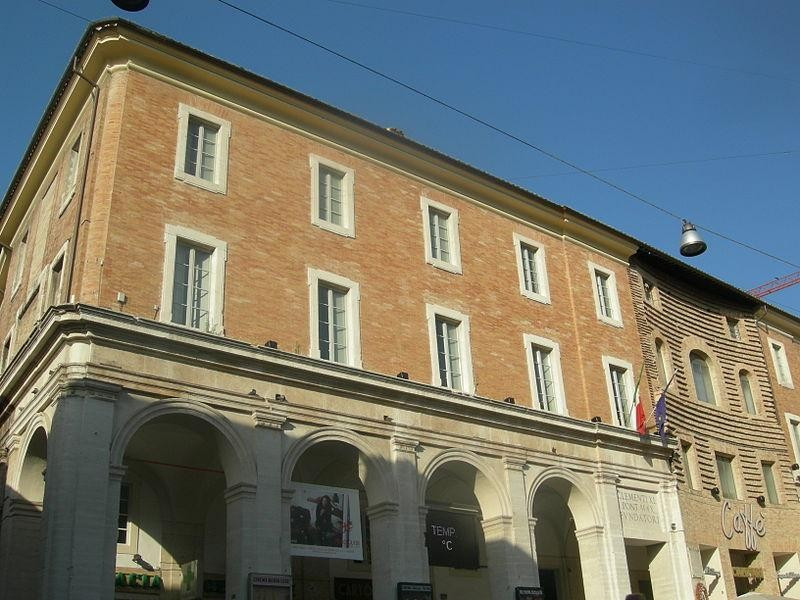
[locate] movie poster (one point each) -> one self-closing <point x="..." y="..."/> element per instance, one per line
<point x="325" y="522"/>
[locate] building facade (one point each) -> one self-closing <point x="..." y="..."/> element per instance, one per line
<point x="726" y="407"/>
<point x="251" y="339"/>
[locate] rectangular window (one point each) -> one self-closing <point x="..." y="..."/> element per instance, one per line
<point x="332" y="313"/>
<point x="202" y="149"/>
<point x="6" y="354"/>
<point x="123" y="532"/>
<point x="531" y="269"/>
<point x="781" y="364"/>
<point x="649" y="291"/>
<point x="450" y="352"/>
<point x="442" y="247"/>
<point x="334" y="318"/>
<point x="794" y="432"/>
<point x="747" y="393"/>
<point x="769" y="482"/>
<point x="21" y="252"/>
<point x="54" y="285"/>
<point x="332" y="191"/>
<point x="73" y="160"/>
<point x="194" y="279"/>
<point x="620" y="391"/>
<point x="686" y="451"/>
<point x="604" y="284"/>
<point x="727" y="482"/>
<point x="733" y="328"/>
<point x="544" y="366"/>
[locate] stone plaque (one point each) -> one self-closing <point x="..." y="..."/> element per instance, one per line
<point x="641" y="514"/>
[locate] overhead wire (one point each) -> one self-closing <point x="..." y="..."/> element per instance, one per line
<point x="566" y="40"/>
<point x="496" y="129"/>
<point x="475" y="119"/>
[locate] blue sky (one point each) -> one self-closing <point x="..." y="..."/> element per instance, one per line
<point x="713" y="86"/>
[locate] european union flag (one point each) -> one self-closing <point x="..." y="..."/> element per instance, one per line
<point x="661" y="417"/>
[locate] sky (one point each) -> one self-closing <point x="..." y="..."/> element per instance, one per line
<point x="692" y="106"/>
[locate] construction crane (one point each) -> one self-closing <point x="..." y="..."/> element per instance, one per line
<point x="779" y="283"/>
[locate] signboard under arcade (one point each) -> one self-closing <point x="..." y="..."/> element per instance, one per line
<point x="451" y="539"/>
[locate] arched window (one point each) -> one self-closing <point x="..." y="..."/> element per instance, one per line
<point x="701" y="372"/>
<point x="661" y="362"/>
<point x="747" y="392"/>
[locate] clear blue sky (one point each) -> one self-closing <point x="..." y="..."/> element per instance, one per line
<point x="605" y="85"/>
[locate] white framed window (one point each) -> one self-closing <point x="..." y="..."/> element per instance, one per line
<point x="194" y="279"/>
<point x="334" y="303"/>
<point x="620" y="384"/>
<point x="604" y="286"/>
<point x="531" y="268"/>
<point x="19" y="267"/>
<point x="782" y="372"/>
<point x="544" y="369"/>
<point x="332" y="196"/>
<point x="451" y="356"/>
<point x="71" y="174"/>
<point x="701" y="376"/>
<point x="440" y="227"/>
<point x="748" y="400"/>
<point x="201" y="155"/>
<point x="767" y="471"/>
<point x="793" y="425"/>
<point x="732" y="326"/>
<point x="5" y="353"/>
<point x="727" y="479"/>
<point x="55" y="278"/>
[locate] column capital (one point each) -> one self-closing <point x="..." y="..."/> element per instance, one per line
<point x="604" y="477"/>
<point x="240" y="491"/>
<point x="514" y="463"/>
<point x="89" y="388"/>
<point x="589" y="532"/>
<point x="669" y="486"/>
<point x="404" y="444"/>
<point x="19" y="507"/>
<point x="287" y="494"/>
<point x="497" y="527"/>
<point x="117" y="472"/>
<point x="13" y="444"/>
<point x="532" y="522"/>
<point x="382" y="510"/>
<point x="268" y="419"/>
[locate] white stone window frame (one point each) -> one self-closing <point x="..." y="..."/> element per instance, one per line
<point x="9" y="339"/>
<point x="454" y="266"/>
<point x="22" y="257"/>
<point x="540" y="263"/>
<point x="791" y="420"/>
<point x="555" y="367"/>
<point x="353" y="307"/>
<point x="48" y="280"/>
<point x="608" y="362"/>
<point x="220" y="183"/>
<point x="71" y="187"/>
<point x="219" y="258"/>
<point x="615" y="319"/>
<point x="779" y="360"/>
<point x="431" y="312"/>
<point x="131" y="546"/>
<point x="348" y="229"/>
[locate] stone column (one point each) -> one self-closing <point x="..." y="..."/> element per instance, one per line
<point x="116" y="473"/>
<point x="269" y="556"/>
<point x="76" y="496"/>
<point x="397" y="527"/>
<point x="670" y="571"/>
<point x="612" y="549"/>
<point x="20" y="534"/>
<point x="521" y="561"/>
<point x="498" y="532"/>
<point x="240" y="499"/>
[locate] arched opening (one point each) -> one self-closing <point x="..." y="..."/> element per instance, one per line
<point x="172" y="524"/>
<point x="465" y="533"/>
<point x="556" y="505"/>
<point x="334" y="483"/>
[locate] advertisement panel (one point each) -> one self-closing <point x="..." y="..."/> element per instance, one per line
<point x="325" y="522"/>
<point x="452" y="539"/>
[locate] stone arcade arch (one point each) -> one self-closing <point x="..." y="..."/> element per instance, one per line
<point x="23" y="515"/>
<point x="186" y="482"/>
<point x="339" y="458"/>
<point x="459" y="486"/>
<point x="567" y="535"/>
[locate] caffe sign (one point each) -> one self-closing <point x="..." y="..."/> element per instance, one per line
<point x="743" y="522"/>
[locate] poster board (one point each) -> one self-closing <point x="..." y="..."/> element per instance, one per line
<point x="325" y="521"/>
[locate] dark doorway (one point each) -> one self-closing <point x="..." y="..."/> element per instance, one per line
<point x="547" y="581"/>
